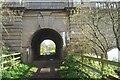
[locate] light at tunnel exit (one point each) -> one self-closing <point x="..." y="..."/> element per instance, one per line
<point x="47" y="47"/>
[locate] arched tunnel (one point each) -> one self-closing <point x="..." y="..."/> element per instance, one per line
<point x="41" y="35"/>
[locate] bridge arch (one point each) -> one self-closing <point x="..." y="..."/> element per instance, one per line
<point x="41" y="35"/>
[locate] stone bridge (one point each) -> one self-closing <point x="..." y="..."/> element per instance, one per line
<point x="27" y="24"/>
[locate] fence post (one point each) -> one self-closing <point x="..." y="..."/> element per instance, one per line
<point x="2" y="65"/>
<point x="102" y="67"/>
<point x="13" y="56"/>
<point x="82" y="60"/>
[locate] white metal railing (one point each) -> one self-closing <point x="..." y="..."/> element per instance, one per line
<point x="7" y="59"/>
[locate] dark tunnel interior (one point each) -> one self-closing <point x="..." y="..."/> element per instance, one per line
<point x="41" y="35"/>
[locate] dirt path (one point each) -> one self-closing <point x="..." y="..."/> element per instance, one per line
<point x="47" y="69"/>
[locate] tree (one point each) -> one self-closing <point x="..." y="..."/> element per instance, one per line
<point x="99" y="26"/>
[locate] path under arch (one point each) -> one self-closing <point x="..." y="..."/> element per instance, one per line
<point x="47" y="65"/>
<point x="42" y="35"/>
<point x="47" y="69"/>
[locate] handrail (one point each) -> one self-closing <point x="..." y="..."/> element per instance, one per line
<point x="94" y="69"/>
<point x="10" y="55"/>
<point x="103" y="62"/>
<point x="13" y="58"/>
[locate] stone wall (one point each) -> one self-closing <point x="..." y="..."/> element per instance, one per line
<point x="11" y="34"/>
<point x="34" y="21"/>
<point x="23" y="28"/>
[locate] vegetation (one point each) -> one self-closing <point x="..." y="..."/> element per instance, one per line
<point x="15" y="69"/>
<point x="99" y="28"/>
<point x="8" y="60"/>
<point x="95" y="41"/>
<point x="73" y="67"/>
<point x="100" y="31"/>
<point x="18" y="71"/>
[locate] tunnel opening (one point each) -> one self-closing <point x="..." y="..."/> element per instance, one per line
<point x="47" y="47"/>
<point x="42" y="35"/>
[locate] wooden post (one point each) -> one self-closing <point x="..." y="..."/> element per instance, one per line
<point x="13" y="57"/>
<point x="102" y="67"/>
<point x="82" y="60"/>
<point x="2" y="65"/>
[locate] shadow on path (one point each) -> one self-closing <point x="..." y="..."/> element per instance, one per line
<point x="47" y="69"/>
<point x="46" y="72"/>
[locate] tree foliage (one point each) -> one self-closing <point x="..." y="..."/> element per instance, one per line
<point x="99" y="26"/>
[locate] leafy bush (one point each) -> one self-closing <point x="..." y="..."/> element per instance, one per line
<point x="18" y="71"/>
<point x="71" y="68"/>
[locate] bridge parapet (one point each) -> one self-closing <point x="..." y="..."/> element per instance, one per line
<point x="39" y="5"/>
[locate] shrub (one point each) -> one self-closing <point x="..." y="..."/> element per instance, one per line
<point x="18" y="71"/>
<point x="71" y="68"/>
